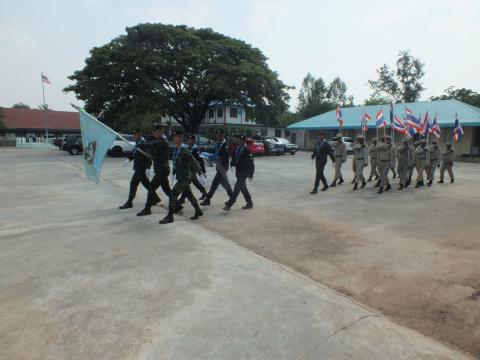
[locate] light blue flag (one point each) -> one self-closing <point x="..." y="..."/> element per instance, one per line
<point x="96" y="139"/>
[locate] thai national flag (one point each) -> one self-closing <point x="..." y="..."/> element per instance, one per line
<point x="365" y="119"/>
<point x="45" y="79"/>
<point x="399" y="125"/>
<point x="435" y="130"/>
<point x="380" y="120"/>
<point x="427" y="125"/>
<point x="412" y="121"/>
<point x="457" y="131"/>
<point x="339" y="117"/>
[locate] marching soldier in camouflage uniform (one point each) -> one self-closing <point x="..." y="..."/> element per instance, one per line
<point x="159" y="148"/>
<point x="184" y="167"/>
<point x="434" y="161"/>
<point x="193" y="148"/>
<point x="448" y="158"/>
<point x="385" y="162"/>
<point x="340" y="153"/>
<point x="372" y="153"/>
<point x="422" y="156"/>
<point x="403" y="162"/>
<point x="361" y="160"/>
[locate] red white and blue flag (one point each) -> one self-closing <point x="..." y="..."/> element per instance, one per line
<point x="435" y="130"/>
<point x="380" y="120"/>
<point x="412" y="121"/>
<point x="45" y="79"/>
<point x="339" y="117"/>
<point x="427" y="125"/>
<point x="399" y="125"/>
<point x="365" y="119"/>
<point x="457" y="131"/>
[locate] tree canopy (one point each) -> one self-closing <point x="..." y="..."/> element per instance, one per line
<point x="21" y="105"/>
<point x="467" y="96"/>
<point x="403" y="84"/>
<point x="158" y="69"/>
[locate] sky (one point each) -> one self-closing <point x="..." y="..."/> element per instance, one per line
<point x="345" y="38"/>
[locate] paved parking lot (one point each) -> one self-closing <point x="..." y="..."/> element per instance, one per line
<point x="80" y="279"/>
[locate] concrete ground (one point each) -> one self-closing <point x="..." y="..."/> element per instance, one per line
<point x="80" y="279"/>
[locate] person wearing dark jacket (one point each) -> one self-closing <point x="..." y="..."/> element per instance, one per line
<point x="159" y="148"/>
<point x="140" y="165"/>
<point x="193" y="148"/>
<point x="320" y="153"/>
<point x="222" y="156"/>
<point x="244" y="168"/>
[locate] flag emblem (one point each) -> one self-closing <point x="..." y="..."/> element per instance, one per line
<point x="380" y="120"/>
<point x="457" y="131"/>
<point x="45" y="79"/>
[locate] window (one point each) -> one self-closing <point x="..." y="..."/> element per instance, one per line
<point x="211" y="113"/>
<point x="233" y="112"/>
<point x="278" y="132"/>
<point x="287" y="133"/>
<point x="220" y="112"/>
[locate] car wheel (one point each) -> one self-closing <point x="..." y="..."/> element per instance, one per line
<point x="74" y="151"/>
<point x="117" y="151"/>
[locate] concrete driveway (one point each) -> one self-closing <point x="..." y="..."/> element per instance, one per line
<point x="80" y="279"/>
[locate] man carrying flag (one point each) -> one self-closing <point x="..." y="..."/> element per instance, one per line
<point x="448" y="158"/>
<point x="339" y="117"/>
<point x="434" y="158"/>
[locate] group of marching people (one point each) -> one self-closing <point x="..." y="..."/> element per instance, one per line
<point x="384" y="157"/>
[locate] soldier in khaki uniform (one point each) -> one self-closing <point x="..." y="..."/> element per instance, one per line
<point x="448" y="158"/>
<point x="412" y="161"/>
<point x="385" y="163"/>
<point x="403" y="163"/>
<point x="361" y="160"/>
<point x="372" y="153"/>
<point x="379" y="163"/>
<point x="434" y="161"/>
<point x="340" y="158"/>
<point x="422" y="157"/>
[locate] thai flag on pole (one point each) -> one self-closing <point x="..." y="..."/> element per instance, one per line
<point x="45" y="79"/>
<point x="427" y="125"/>
<point x="457" y="131"/>
<point x="412" y="121"/>
<point x="339" y="117"/>
<point x="399" y="125"/>
<point x="435" y="130"/>
<point x="365" y="119"/>
<point x="380" y="120"/>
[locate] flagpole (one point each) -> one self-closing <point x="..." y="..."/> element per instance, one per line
<point x="45" y="115"/>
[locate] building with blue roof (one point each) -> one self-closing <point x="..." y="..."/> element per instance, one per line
<point x="305" y="132"/>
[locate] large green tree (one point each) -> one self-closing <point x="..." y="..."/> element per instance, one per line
<point x="467" y="96"/>
<point x="21" y="106"/>
<point x="316" y="97"/>
<point x="404" y="84"/>
<point x="178" y="71"/>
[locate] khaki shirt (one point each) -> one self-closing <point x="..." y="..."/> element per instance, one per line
<point x="341" y="152"/>
<point x="448" y="155"/>
<point x="402" y="153"/>
<point x="434" y="152"/>
<point x="372" y="151"/>
<point x="422" y="153"/>
<point x="361" y="152"/>
<point x="384" y="152"/>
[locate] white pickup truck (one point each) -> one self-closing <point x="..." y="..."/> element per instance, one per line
<point x="120" y="147"/>
<point x="348" y="143"/>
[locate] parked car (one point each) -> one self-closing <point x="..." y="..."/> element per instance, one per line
<point x="348" y="143"/>
<point x="120" y="147"/>
<point x="73" y="144"/>
<point x="271" y="145"/>
<point x="255" y="147"/>
<point x="290" y="148"/>
<point x="204" y="144"/>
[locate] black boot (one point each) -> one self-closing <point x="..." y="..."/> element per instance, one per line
<point x="203" y="197"/>
<point x="167" y="219"/>
<point x="205" y="202"/>
<point x="400" y="187"/>
<point x="417" y="185"/>
<point x="127" y="205"/>
<point x="353" y="181"/>
<point x="227" y="206"/>
<point x="421" y="183"/>
<point x="248" y="206"/>
<point x="380" y="190"/>
<point x="364" y="183"/>
<point x="197" y="214"/>
<point x="430" y="183"/>
<point x="440" y="181"/>
<point x="388" y="187"/>
<point x="145" y="212"/>
<point x="341" y="181"/>
<point x="369" y="179"/>
<point x="324" y="188"/>
<point x="314" y="191"/>
<point x="178" y="208"/>
<point x="378" y="183"/>
<point x="355" y="187"/>
<point x="451" y="181"/>
<point x="334" y="183"/>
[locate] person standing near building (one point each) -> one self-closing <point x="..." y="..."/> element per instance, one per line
<point x="422" y="156"/>
<point x="372" y="153"/>
<point x="244" y="168"/>
<point x="361" y="160"/>
<point x="184" y="166"/>
<point x="340" y="154"/>
<point x="193" y="148"/>
<point x="140" y="165"/>
<point x="434" y="161"/>
<point x="320" y="153"/>
<point x="403" y="163"/>
<point x="448" y="158"/>
<point x="385" y="151"/>
<point x="222" y="155"/>
<point x="159" y="148"/>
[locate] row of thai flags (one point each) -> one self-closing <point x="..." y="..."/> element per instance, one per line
<point x="409" y="125"/>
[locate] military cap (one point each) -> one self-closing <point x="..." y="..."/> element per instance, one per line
<point x="177" y="132"/>
<point x="219" y="131"/>
<point x="374" y="139"/>
<point x="359" y="136"/>
<point x="157" y="127"/>
<point x="191" y="137"/>
<point x="136" y="130"/>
